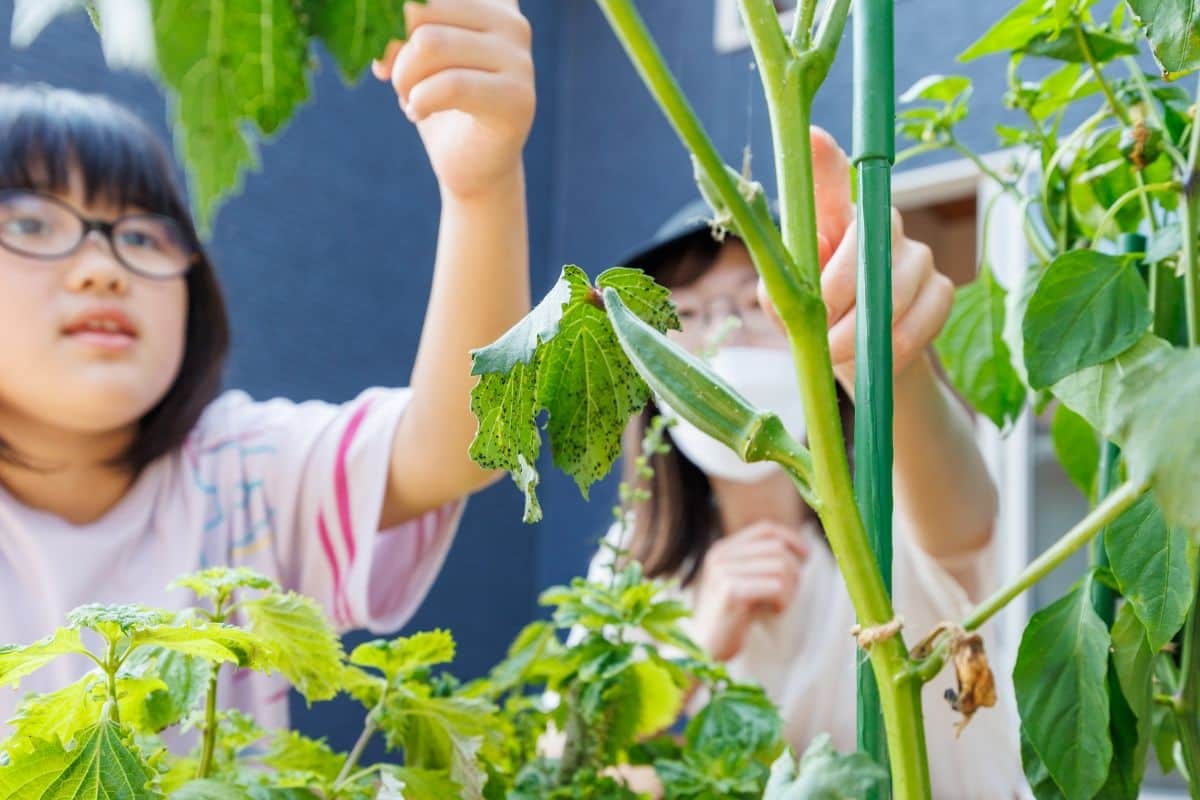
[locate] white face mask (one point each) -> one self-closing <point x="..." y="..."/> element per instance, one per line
<point x="766" y="376"/>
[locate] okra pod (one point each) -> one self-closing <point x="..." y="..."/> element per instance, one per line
<point x="703" y="398"/>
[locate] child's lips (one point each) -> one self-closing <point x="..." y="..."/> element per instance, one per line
<point x="109" y="341"/>
<point x="108" y="329"/>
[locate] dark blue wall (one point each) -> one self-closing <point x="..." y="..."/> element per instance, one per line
<point x="326" y="254"/>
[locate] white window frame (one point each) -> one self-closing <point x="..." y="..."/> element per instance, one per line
<point x="729" y="35"/>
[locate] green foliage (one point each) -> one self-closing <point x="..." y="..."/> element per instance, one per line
<point x="973" y="351"/>
<point x="564" y="359"/>
<point x="1060" y="679"/>
<point x="236" y="73"/>
<point x="1173" y="27"/>
<point x="299" y="641"/>
<point x="1077" y="447"/>
<point x="823" y="774"/>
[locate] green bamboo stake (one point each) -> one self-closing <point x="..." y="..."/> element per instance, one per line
<point x="874" y="152"/>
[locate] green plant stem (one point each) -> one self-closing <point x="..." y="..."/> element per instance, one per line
<point x="1077" y="537"/>
<point x="789" y="290"/>
<point x="1131" y="195"/>
<point x="1116" y="105"/>
<point x="368" y="731"/>
<point x="1187" y="708"/>
<point x="802" y="27"/>
<point x="111" y="665"/>
<point x="970" y="155"/>
<point x="1121" y="498"/>
<point x="210" y="727"/>
<point x="1189" y="212"/>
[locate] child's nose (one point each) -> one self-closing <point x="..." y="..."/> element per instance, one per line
<point x="96" y="268"/>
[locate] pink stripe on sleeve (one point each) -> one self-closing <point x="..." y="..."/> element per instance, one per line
<point x="341" y="607"/>
<point x="340" y="482"/>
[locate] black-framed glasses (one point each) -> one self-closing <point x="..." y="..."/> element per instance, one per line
<point x="42" y="226"/>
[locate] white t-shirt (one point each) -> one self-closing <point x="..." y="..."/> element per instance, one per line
<point x="805" y="659"/>
<point x="293" y="491"/>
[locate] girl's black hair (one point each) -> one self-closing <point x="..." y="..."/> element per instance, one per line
<point x="47" y="135"/>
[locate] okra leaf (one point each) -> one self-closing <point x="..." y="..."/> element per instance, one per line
<point x="520" y="343"/>
<point x="298" y="641"/>
<point x="1077" y="446"/>
<point x="1157" y="410"/>
<point x="356" y="31"/>
<point x="1060" y="681"/>
<point x="1154" y="566"/>
<point x="823" y="774"/>
<point x="647" y="299"/>
<point x="1173" y="28"/>
<point x="1133" y="662"/>
<point x="16" y="662"/>
<point x="1095" y="392"/>
<point x="399" y="656"/>
<point x="256" y="71"/>
<point x="103" y="764"/>
<point x="506" y="405"/>
<point x="973" y="351"/>
<point x="1087" y="308"/>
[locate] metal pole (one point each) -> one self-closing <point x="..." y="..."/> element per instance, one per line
<point x="874" y="152"/>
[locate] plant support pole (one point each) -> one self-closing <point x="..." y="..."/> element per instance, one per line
<point x="874" y="152"/>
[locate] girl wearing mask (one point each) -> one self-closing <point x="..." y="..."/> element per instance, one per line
<point x="749" y="556"/>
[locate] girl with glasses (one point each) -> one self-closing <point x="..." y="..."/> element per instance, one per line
<point x="122" y="466"/>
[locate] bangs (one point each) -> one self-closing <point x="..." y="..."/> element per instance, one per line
<point x="46" y="133"/>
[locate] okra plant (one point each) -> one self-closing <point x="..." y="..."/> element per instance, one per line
<point x="1104" y="325"/>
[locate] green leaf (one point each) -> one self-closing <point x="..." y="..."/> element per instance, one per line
<point x="1087" y="308"/>
<point x="409" y="783"/>
<point x="591" y="390"/>
<point x="1060" y="684"/>
<point x="299" y="642"/>
<point x="115" y="621"/>
<point x="357" y="31"/>
<point x="1038" y="777"/>
<point x="738" y="717"/>
<point x="217" y="582"/>
<point x="207" y="789"/>
<point x="1012" y="32"/>
<point x="185" y="680"/>
<point x="937" y="88"/>
<point x="1095" y="393"/>
<point x="1015" y="306"/>
<point x="229" y="63"/>
<point x="1157" y="408"/>
<point x="208" y="640"/>
<point x="440" y="733"/>
<point x="1133" y="662"/>
<point x="1173" y="28"/>
<point x="641" y="295"/>
<point x="16" y="662"/>
<point x="103" y="765"/>
<point x="60" y="715"/>
<point x="402" y="655"/>
<point x="972" y="349"/>
<point x="1154" y="566"/>
<point x="1065" y="45"/>
<point x="1078" y="448"/>
<point x="292" y="752"/>
<point x="519" y="344"/>
<point x="823" y="774"/>
<point x="1129" y="761"/>
<point x="506" y="406"/>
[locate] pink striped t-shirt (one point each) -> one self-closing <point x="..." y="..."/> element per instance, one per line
<point x="291" y="490"/>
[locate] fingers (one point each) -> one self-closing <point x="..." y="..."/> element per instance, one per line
<point x="914" y="331"/>
<point x="468" y="91"/>
<point x="762" y="537"/>
<point x="831" y="180"/>
<point x="438" y="48"/>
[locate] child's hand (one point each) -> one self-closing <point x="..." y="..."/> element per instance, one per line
<point x="921" y="296"/>
<point x="465" y="77"/>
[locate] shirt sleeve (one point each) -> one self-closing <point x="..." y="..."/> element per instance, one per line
<point x="322" y="471"/>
